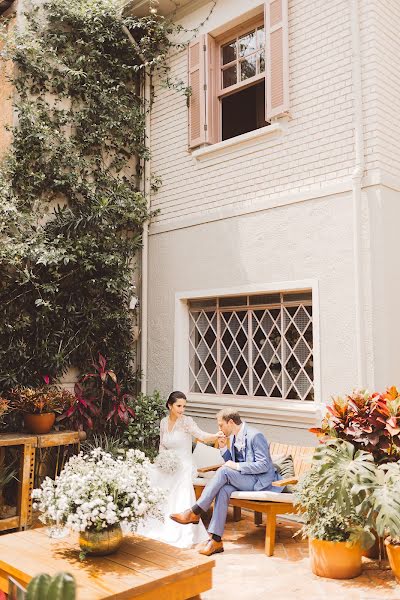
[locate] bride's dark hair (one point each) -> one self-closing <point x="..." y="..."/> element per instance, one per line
<point x="174" y="397"/>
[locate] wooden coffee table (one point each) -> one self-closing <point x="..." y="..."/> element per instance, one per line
<point x="141" y="569"/>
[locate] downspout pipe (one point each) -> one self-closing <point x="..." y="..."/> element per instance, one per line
<point x="357" y="176"/>
<point x="145" y="245"/>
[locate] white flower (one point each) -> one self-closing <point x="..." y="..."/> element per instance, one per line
<point x="168" y="461"/>
<point x="97" y="490"/>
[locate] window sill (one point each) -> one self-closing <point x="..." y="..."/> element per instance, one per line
<point x="240" y="141"/>
<point x="265" y="411"/>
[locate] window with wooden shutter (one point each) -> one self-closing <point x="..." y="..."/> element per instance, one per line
<point x="239" y="81"/>
<point x="277" y="58"/>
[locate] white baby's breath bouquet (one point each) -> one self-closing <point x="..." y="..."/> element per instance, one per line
<point x="96" y="491"/>
<point x="168" y="461"/>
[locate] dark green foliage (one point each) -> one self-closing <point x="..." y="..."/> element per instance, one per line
<point x="71" y="205"/>
<point x="143" y="432"/>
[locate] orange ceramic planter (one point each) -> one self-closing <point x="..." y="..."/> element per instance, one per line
<point x="39" y="423"/>
<point x="335" y="560"/>
<point x="394" y="559"/>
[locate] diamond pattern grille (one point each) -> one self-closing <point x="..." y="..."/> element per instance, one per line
<point x="262" y="352"/>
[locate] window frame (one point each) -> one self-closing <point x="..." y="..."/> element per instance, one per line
<point x="220" y="92"/>
<point x="251" y="379"/>
<point x="292" y="413"/>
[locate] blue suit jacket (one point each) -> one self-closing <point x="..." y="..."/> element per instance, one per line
<point x="257" y="458"/>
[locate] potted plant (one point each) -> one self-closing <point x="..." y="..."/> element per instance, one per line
<point x="40" y="405"/>
<point x="97" y="493"/>
<point x="336" y="530"/>
<point x="369" y="421"/>
<point x="380" y="494"/>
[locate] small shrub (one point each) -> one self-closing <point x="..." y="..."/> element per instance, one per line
<point x="143" y="431"/>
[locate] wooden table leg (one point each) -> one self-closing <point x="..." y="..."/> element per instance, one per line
<point x="26" y="486"/>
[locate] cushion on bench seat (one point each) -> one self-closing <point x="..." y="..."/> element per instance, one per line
<point x="264" y="496"/>
<point x="260" y="496"/>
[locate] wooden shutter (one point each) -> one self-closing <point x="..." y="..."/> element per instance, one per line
<point x="202" y="118"/>
<point x="277" y="58"/>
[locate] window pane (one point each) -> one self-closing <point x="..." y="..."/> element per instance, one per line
<point x="247" y="43"/>
<point x="260" y="37"/>
<point x="229" y="52"/>
<point x="229" y="76"/>
<point x="233" y="301"/>
<point x="248" y="67"/>
<point x="265" y="299"/>
<point x="261" y="58"/>
<point x="203" y="352"/>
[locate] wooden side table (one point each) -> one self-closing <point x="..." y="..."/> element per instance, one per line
<point x="30" y="444"/>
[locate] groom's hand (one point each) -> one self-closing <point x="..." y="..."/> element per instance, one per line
<point x="221" y="439"/>
<point x="231" y="465"/>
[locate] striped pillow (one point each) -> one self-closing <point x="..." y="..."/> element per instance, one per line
<point x="285" y="467"/>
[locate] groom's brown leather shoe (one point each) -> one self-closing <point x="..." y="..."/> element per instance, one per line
<point x="211" y="547"/>
<point x="186" y="517"/>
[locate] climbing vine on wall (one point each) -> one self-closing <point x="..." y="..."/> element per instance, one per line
<point x="71" y="209"/>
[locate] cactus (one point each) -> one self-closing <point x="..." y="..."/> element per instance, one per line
<point x="60" y="587"/>
<point x="38" y="587"/>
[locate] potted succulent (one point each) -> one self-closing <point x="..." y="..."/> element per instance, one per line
<point x="40" y="405"/>
<point x="336" y="530"/>
<point x="97" y="493"/>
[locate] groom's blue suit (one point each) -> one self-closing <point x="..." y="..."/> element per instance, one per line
<point x="257" y="473"/>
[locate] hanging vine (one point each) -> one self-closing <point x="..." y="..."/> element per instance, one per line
<point x="71" y="205"/>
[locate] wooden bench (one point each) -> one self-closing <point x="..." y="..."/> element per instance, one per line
<point x="269" y="503"/>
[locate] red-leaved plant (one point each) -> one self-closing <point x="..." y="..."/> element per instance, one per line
<point x="99" y="399"/>
<point x="369" y="421"/>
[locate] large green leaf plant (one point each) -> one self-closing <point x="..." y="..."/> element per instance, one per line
<point x="329" y="497"/>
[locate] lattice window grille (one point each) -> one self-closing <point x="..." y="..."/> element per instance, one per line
<point x="203" y="352"/>
<point x="261" y="352"/>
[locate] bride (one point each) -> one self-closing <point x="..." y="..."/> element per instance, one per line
<point x="176" y="433"/>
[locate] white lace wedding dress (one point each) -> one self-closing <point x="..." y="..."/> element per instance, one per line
<point x="178" y="486"/>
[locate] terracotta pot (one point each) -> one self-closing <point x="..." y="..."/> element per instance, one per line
<point x="39" y="423"/>
<point x="377" y="551"/>
<point x="101" y="543"/>
<point x="335" y="560"/>
<point x="393" y="553"/>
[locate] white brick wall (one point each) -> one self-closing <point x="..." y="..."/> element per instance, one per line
<point x="380" y="26"/>
<point x="316" y="150"/>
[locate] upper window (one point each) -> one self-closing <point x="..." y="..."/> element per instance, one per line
<point x="239" y="80"/>
<point x="242" y="58"/>
<point x="257" y="346"/>
<point x="241" y="89"/>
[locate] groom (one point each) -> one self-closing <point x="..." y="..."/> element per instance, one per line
<point x="248" y="467"/>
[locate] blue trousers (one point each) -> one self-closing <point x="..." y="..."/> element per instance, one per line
<point x="222" y="485"/>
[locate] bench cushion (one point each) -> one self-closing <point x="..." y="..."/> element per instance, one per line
<point x="260" y="496"/>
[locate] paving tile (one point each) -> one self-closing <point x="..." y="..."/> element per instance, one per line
<point x="243" y="572"/>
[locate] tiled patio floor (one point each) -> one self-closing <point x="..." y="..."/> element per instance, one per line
<point x="243" y="572"/>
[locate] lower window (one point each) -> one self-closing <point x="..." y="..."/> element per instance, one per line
<point x="257" y="346"/>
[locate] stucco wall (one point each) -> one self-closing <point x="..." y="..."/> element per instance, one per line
<point x="318" y="147"/>
<point x="310" y="240"/>
<point x="384" y="207"/>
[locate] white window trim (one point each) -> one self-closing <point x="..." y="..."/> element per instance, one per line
<point x="270" y="412"/>
<point x="241" y="141"/>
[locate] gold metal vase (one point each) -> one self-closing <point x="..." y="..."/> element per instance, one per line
<point x="101" y="543"/>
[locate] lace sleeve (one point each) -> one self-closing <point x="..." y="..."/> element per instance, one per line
<point x="163" y="423"/>
<point x="190" y="426"/>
